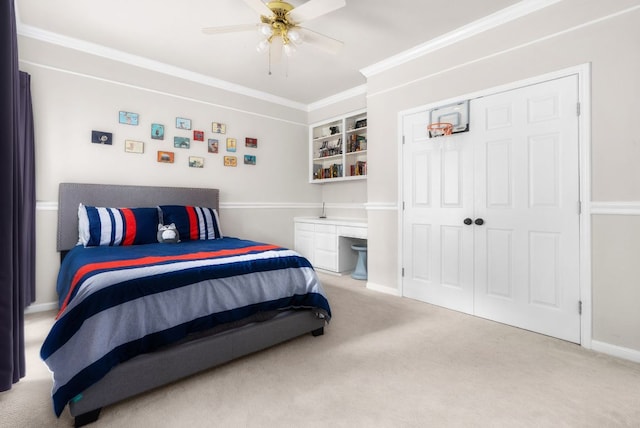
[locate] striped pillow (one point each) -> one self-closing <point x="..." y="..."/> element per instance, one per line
<point x="101" y="226"/>
<point x="193" y="223"/>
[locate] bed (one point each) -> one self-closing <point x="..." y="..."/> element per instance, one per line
<point x="136" y="317"/>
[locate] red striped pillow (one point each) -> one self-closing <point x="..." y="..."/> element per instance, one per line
<point x="104" y="226"/>
<point x="193" y="223"/>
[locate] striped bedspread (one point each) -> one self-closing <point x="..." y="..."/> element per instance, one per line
<point x="119" y="302"/>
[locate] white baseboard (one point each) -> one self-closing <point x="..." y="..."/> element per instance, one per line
<point x="616" y="351"/>
<point x="41" y="307"/>
<point x="383" y="289"/>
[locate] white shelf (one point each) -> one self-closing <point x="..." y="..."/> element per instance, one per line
<point x="338" y="149"/>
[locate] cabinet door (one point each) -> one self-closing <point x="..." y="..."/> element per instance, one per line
<point x="326" y="250"/>
<point x="304" y="240"/>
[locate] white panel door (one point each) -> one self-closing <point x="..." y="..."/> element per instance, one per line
<point x="438" y="185"/>
<point x="527" y="193"/>
<point x="515" y="174"/>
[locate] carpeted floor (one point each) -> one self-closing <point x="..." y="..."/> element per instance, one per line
<point x="383" y="362"/>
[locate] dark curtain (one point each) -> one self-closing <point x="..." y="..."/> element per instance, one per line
<point x="17" y="201"/>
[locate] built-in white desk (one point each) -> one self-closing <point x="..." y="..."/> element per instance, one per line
<point x="326" y="242"/>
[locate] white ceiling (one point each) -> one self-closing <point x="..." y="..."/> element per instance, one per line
<point x="169" y="33"/>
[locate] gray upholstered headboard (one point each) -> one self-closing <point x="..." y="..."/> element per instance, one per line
<point x="118" y="196"/>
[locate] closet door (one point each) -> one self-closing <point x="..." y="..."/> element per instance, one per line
<point x="527" y="194"/>
<point x="438" y="196"/>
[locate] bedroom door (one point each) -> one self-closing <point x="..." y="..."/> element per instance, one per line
<point x="524" y="186"/>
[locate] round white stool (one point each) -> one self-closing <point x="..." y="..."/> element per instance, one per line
<point x="361" y="264"/>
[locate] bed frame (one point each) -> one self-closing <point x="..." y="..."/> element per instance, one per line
<point x="149" y="371"/>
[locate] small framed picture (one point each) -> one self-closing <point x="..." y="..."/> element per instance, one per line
<point x="157" y="131"/>
<point x="128" y="118"/>
<point x="165" y="157"/>
<point x="131" y="146"/>
<point x="182" y="123"/>
<point x="249" y="160"/>
<point x="198" y="135"/>
<point x="196" y="162"/>
<point x="99" y="137"/>
<point x="231" y="144"/>
<point x="181" y="142"/>
<point x="230" y="161"/>
<point x="218" y="128"/>
<point x="212" y="145"/>
<point x="251" y="142"/>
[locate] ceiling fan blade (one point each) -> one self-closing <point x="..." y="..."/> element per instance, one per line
<point x="313" y="9"/>
<point x="259" y="7"/>
<point x="321" y="41"/>
<point x="230" y="29"/>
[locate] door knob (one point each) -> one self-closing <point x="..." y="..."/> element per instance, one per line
<point x="468" y="221"/>
<point x="479" y="221"/>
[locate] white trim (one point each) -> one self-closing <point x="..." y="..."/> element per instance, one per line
<point x="46" y="206"/>
<point x="616" y="351"/>
<point x="334" y="99"/>
<point x="41" y="307"/>
<point x="472" y="29"/>
<point x="616" y="208"/>
<point x="496" y="54"/>
<point x="168" y="94"/>
<point x="383" y="289"/>
<point x="268" y="205"/>
<point x="584" y="140"/>
<point x="381" y="206"/>
<point x="148" y="64"/>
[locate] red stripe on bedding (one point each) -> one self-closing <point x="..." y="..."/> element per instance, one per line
<point x="88" y="268"/>
<point x="129" y="226"/>
<point x="194" y="226"/>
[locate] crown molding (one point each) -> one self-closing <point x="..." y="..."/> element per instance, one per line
<point x="341" y="96"/>
<point x="138" y="61"/>
<point x="489" y="22"/>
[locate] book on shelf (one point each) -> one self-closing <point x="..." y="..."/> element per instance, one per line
<point x="359" y="168"/>
<point x="357" y="143"/>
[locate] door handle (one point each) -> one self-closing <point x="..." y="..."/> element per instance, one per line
<point x="479" y="221"/>
<point x="468" y="221"/>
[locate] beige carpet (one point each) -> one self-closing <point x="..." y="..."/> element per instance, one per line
<point x="383" y="362"/>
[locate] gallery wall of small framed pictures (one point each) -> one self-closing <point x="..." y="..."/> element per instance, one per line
<point x="195" y="140"/>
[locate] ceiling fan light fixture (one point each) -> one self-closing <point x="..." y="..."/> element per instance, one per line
<point x="295" y="36"/>
<point x="265" y="29"/>
<point x="289" y="49"/>
<point x="263" y="46"/>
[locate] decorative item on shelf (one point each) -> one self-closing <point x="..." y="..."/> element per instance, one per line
<point x="362" y="123"/>
<point x="334" y="130"/>
<point x="357" y="143"/>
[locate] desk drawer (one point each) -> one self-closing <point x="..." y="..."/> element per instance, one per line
<point x="352" y="232"/>
<point x="326" y="228"/>
<point x="306" y="227"/>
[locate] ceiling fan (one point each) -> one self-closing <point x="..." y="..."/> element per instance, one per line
<point x="280" y="25"/>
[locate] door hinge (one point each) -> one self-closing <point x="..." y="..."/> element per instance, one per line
<point x="580" y="307"/>
<point x="402" y="205"/>
<point x="578" y="109"/>
<point x="403" y="272"/>
<point x="403" y="139"/>
<point x="579" y="207"/>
